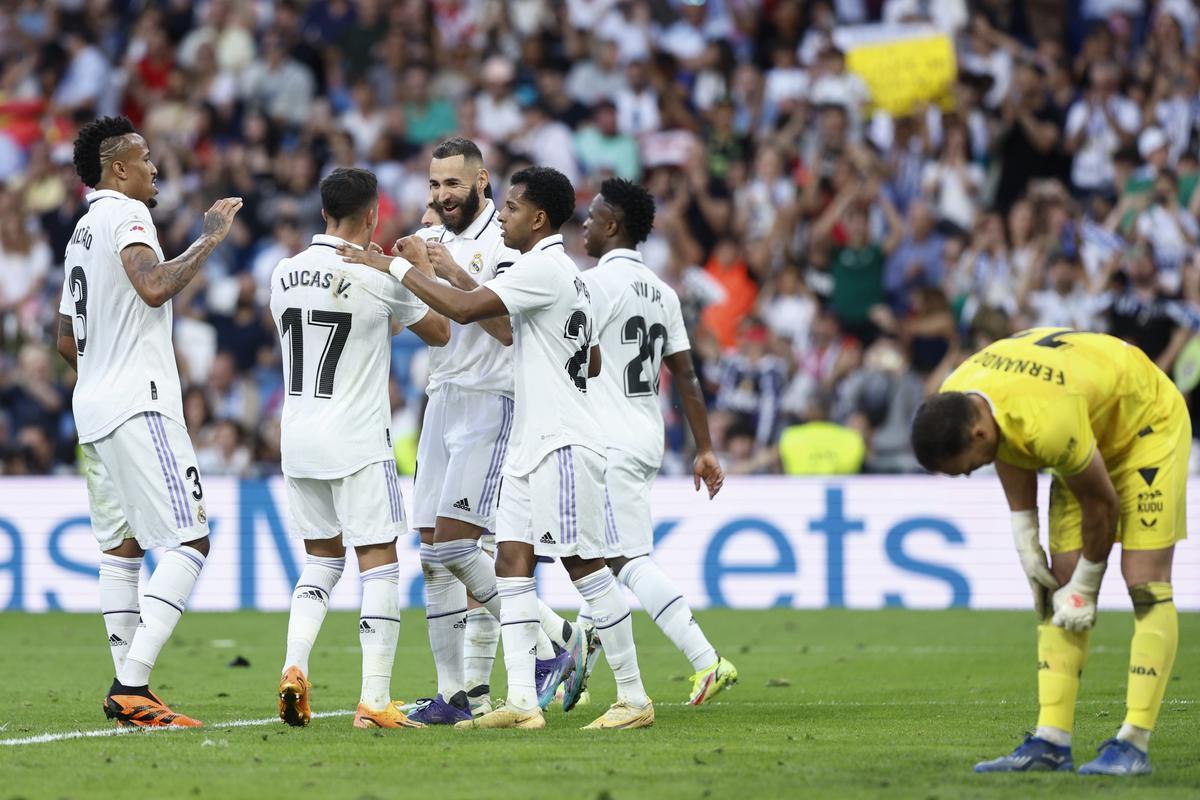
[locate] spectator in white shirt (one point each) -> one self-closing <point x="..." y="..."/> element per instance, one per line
<point x="1171" y="229"/>
<point x="279" y="85"/>
<point x="365" y="120"/>
<point x="84" y="84"/>
<point x="1065" y="301"/>
<point x="1098" y="124"/>
<point x="637" y="104"/>
<point x="497" y="114"/>
<point x="547" y="141"/>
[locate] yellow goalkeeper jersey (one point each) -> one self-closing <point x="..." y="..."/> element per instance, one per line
<point x="1057" y="395"/>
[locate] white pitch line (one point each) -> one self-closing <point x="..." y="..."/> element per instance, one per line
<point x="45" y="738"/>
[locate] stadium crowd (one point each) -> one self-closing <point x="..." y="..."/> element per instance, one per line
<point x="834" y="261"/>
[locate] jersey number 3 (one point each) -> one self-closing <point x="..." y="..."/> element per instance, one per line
<point x="79" y="295"/>
<point x="337" y="323"/>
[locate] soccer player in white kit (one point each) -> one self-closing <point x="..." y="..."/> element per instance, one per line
<point x="552" y="503"/>
<point x="143" y="485"/>
<point x="464" y="439"/>
<point x="640" y="326"/>
<point x="335" y="325"/>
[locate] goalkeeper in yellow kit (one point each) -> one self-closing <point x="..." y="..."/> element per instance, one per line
<point x="1116" y="435"/>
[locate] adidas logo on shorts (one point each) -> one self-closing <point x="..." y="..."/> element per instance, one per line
<point x="463" y="505"/>
<point x="363" y="627"/>
<point x="117" y="641"/>
<point x="547" y="538"/>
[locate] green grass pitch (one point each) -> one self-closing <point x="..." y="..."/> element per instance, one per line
<point x="837" y="704"/>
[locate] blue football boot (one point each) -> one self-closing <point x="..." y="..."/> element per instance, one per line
<point x="1117" y="758"/>
<point x="1033" y="755"/>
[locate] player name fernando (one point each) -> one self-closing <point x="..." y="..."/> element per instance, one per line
<point x="1021" y="366"/>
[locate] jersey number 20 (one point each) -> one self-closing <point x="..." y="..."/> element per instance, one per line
<point x="337" y="323"/>
<point x="641" y="374"/>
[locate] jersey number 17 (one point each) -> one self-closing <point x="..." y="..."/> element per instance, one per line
<point x="337" y="326"/>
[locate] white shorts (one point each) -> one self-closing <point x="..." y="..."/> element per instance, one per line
<point x="628" y="526"/>
<point x="464" y="439"/>
<point x="143" y="484"/>
<point x="365" y="507"/>
<point x="559" y="507"/>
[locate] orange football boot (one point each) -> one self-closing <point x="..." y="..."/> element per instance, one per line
<point x="141" y="708"/>
<point x="389" y="717"/>
<point x="293" y="698"/>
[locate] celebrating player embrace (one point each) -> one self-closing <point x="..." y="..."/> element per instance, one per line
<point x="553" y="499"/>
<point x="1116" y="434"/>
<point x="335" y="325"/>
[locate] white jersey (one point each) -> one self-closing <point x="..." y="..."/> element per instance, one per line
<point x="473" y="359"/>
<point x="638" y="323"/>
<point x="335" y="327"/>
<point x="126" y="359"/>
<point x="552" y="339"/>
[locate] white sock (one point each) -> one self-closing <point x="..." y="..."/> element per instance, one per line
<point x="1053" y="735"/>
<point x="479" y="649"/>
<point x="557" y="629"/>
<point x="378" y="632"/>
<point x="446" y="612"/>
<point x="663" y="601"/>
<point x="166" y="597"/>
<point x="119" y="604"/>
<point x="1138" y="737"/>
<point x="310" y="601"/>
<point x="518" y="628"/>
<point x="614" y="623"/>
<point x="545" y="649"/>
<point x="474" y="568"/>
<point x="584" y="617"/>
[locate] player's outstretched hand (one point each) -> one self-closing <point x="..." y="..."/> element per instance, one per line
<point x="356" y="255"/>
<point x="708" y="469"/>
<point x="1074" y="610"/>
<point x="218" y="218"/>
<point x="443" y="263"/>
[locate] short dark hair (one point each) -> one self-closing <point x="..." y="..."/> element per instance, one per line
<point x="941" y="428"/>
<point x="458" y="146"/>
<point x="549" y="190"/>
<point x="348" y="192"/>
<point x="635" y="203"/>
<point x="87" y="145"/>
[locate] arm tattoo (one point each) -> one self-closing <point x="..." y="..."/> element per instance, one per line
<point x="159" y="281"/>
<point x="212" y="223"/>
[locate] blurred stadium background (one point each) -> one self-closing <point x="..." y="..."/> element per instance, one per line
<point x="852" y="196"/>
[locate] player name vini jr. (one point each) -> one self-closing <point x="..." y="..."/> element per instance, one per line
<point x="1021" y="366"/>
<point x="647" y="291"/>
<point x="314" y="277"/>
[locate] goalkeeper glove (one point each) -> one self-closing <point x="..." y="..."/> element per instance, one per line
<point x="1075" y="603"/>
<point x="1033" y="559"/>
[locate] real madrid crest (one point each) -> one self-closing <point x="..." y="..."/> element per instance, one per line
<point x="477" y="264"/>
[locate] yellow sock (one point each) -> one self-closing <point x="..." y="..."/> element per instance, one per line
<point x="1152" y="652"/>
<point x="1061" y="656"/>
